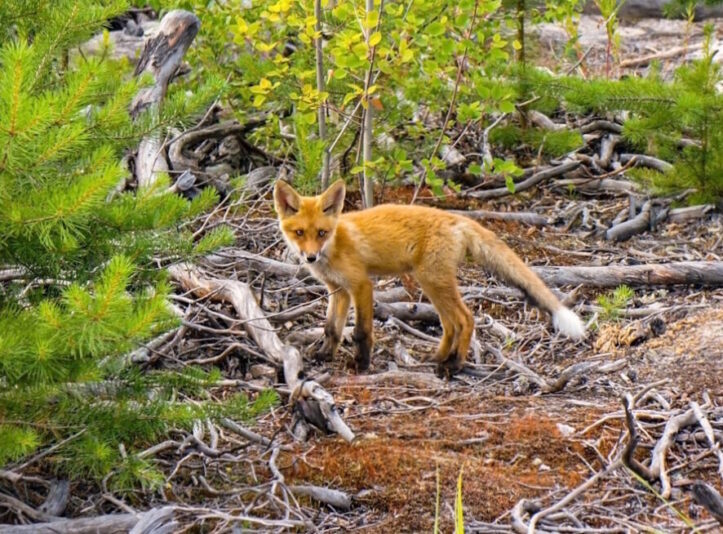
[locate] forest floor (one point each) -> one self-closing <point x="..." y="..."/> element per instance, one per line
<point x="520" y="444"/>
<point x="415" y="433"/>
<point x="510" y="441"/>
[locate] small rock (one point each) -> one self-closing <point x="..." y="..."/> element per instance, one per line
<point x="537" y="462"/>
<point x="565" y="430"/>
<point x="260" y="370"/>
<point x="544" y="467"/>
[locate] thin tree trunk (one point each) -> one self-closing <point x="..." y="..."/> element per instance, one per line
<point x="320" y="87"/>
<point x="368" y="124"/>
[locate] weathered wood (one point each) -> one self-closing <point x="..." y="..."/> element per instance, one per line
<point x="104" y="524"/>
<point x="629" y="228"/>
<point x="533" y="180"/>
<point x="709" y="273"/>
<point x="647" y="161"/>
<point x="240" y="296"/>
<point x="690" y="212"/>
<point x="335" y="498"/>
<point x="532" y="219"/>
<point x="705" y="495"/>
<point x="161" y="58"/>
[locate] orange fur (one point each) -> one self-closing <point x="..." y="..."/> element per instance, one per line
<point x="345" y="250"/>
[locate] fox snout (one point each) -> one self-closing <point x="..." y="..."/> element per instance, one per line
<point x="310" y="258"/>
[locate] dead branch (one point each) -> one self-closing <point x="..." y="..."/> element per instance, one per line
<point x="532" y="219"/>
<point x="582" y="488"/>
<point x="629" y="228"/>
<point x="690" y="212"/>
<point x="334" y="498"/>
<point x="400" y="378"/>
<point x="657" y="463"/>
<point x="628" y="456"/>
<point x="110" y="524"/>
<point x="239" y="295"/>
<point x="533" y="180"/>
<point x="666" y="54"/>
<point x="705" y="495"/>
<point x="647" y="161"/>
<point x="161" y="58"/>
<point x="709" y="434"/>
<point x="708" y="273"/>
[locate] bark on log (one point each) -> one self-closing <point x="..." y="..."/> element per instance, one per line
<point x="240" y="296"/>
<point x="708" y="273"/>
<point x="161" y="57"/>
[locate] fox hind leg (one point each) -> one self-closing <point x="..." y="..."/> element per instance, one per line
<point x="363" y="328"/>
<point x="457" y="321"/>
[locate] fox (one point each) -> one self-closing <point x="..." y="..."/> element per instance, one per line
<point x="345" y="250"/>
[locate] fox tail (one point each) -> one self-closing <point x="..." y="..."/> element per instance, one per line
<point x="491" y="252"/>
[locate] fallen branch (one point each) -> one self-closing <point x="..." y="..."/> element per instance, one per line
<point x="533" y="180"/>
<point x="667" y="54"/>
<point x="709" y="434"/>
<point x="532" y="219"/>
<point x="240" y="296"/>
<point x="640" y="223"/>
<point x="110" y="523"/>
<point x="582" y="488"/>
<point x="657" y="463"/>
<point x="334" y="498"/>
<point x="647" y="161"/>
<point x="708" y="273"/>
<point x="400" y="378"/>
<point x="708" y="498"/>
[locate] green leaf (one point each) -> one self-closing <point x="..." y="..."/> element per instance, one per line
<point x="375" y="39"/>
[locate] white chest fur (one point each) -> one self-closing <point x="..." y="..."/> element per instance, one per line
<point x="323" y="272"/>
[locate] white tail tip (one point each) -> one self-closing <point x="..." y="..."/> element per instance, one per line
<point x="568" y="323"/>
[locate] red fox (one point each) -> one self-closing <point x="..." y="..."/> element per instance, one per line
<point x="344" y="250"/>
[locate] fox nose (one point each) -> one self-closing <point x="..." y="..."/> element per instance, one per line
<point x="311" y="258"/>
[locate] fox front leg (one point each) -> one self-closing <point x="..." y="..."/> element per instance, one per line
<point x="336" y="313"/>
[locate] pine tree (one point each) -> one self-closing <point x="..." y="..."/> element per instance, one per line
<point x="678" y="120"/>
<point x="78" y="287"/>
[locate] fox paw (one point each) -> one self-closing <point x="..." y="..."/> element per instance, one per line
<point x="361" y="363"/>
<point x="448" y="368"/>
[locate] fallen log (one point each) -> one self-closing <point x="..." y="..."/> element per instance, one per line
<point x="105" y="524"/>
<point x="709" y="273"/>
<point x="161" y="58"/>
<point x="303" y="392"/>
<point x="532" y="219"/>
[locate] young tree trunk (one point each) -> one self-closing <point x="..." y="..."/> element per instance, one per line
<point x="368" y="124"/>
<point x="320" y="88"/>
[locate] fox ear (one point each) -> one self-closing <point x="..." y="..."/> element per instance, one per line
<point x="332" y="200"/>
<point x="286" y="200"/>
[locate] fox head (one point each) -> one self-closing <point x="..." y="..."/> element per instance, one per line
<point x="308" y="223"/>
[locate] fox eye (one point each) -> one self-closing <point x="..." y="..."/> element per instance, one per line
<point x="299" y="233"/>
<point x="322" y="233"/>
